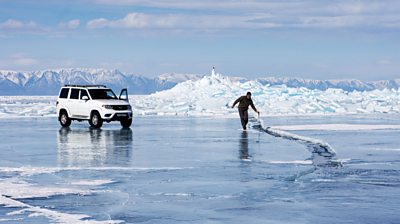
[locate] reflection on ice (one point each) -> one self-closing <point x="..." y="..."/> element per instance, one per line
<point x="244" y="146"/>
<point x="94" y="147"/>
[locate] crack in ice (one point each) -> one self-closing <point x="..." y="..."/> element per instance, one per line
<point x="322" y="153"/>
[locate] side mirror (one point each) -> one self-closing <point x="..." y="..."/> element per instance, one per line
<point x="124" y="95"/>
<point x="86" y="98"/>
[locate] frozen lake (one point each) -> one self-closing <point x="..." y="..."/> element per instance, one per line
<point x="199" y="170"/>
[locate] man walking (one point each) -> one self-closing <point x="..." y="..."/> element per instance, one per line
<point x="244" y="103"/>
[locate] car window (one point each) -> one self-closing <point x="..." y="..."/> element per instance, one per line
<point x="102" y="94"/>
<point x="64" y="93"/>
<point x="84" y="93"/>
<point x="74" y="94"/>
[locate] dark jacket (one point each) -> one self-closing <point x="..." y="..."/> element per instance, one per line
<point x="244" y="103"/>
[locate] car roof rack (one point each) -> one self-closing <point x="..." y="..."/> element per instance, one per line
<point x="84" y="86"/>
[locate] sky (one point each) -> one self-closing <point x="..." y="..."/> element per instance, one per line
<point x="316" y="39"/>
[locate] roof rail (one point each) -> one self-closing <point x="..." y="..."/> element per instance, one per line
<point x="68" y="85"/>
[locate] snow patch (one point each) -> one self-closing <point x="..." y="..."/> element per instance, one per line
<point x="55" y="216"/>
<point x="14" y="189"/>
<point x="30" y="171"/>
<point x="19" y="189"/>
<point x="91" y="182"/>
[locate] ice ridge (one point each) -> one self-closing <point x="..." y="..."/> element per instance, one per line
<point x="213" y="96"/>
<point x="322" y="153"/>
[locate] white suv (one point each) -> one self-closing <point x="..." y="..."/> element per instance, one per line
<point x="95" y="103"/>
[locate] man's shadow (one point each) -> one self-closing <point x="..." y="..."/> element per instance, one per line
<point x="244" y="146"/>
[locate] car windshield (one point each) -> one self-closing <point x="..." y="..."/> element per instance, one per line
<point x="97" y="94"/>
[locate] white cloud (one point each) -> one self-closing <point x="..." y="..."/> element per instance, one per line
<point x="183" y="21"/>
<point x="232" y="14"/>
<point x="13" y="27"/>
<point x="332" y="21"/>
<point x="249" y="21"/>
<point x="98" y="23"/>
<point x="284" y="13"/>
<point x="139" y="20"/>
<point x="72" y="24"/>
<point x="16" y="24"/>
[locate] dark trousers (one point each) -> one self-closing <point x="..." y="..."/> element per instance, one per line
<point x="244" y="116"/>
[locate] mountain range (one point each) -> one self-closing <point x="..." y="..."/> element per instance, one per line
<point x="48" y="82"/>
<point x="345" y="84"/>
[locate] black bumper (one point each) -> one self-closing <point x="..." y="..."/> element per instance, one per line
<point x="118" y="117"/>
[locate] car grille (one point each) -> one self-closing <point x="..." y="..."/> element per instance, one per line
<point x="120" y="107"/>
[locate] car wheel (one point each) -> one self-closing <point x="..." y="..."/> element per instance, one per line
<point x="65" y="121"/>
<point x="95" y="120"/>
<point x="126" y="123"/>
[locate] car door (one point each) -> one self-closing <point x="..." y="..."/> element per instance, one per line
<point x="73" y="102"/>
<point x="124" y="95"/>
<point x="83" y="105"/>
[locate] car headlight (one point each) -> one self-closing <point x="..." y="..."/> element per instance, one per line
<point x="108" y="106"/>
<point x="129" y="107"/>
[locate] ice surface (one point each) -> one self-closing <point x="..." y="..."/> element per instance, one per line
<point x="213" y="95"/>
<point x="198" y="170"/>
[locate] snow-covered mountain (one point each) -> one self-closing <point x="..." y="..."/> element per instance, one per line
<point x="344" y="84"/>
<point x="48" y="82"/>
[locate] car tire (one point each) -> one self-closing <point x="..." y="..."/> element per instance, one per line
<point x="95" y="120"/>
<point x="65" y="121"/>
<point x="126" y="123"/>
